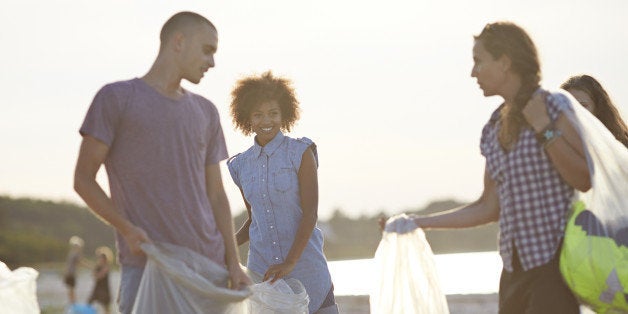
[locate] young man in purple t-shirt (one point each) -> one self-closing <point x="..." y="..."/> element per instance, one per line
<point x="161" y="146"/>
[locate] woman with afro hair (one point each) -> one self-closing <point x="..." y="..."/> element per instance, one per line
<point x="277" y="177"/>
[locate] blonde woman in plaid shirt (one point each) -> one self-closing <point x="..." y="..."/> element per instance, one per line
<point x="534" y="162"/>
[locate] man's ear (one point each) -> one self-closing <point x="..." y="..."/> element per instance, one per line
<point x="178" y="40"/>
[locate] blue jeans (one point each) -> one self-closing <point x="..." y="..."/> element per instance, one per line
<point x="130" y="277"/>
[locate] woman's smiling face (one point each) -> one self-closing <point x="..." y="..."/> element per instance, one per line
<point x="266" y="121"/>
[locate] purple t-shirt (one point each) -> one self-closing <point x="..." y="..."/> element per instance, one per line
<point x="158" y="150"/>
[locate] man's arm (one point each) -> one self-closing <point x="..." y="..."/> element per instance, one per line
<point x="222" y="215"/>
<point x="91" y="156"/>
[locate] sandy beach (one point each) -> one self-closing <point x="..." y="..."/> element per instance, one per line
<point x="51" y="295"/>
<point x="458" y="304"/>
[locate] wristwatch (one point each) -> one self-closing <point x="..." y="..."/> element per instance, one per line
<point x="548" y="135"/>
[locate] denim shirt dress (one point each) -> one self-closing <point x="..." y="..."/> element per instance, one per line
<point x="268" y="179"/>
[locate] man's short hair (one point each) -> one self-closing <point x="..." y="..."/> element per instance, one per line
<point x="179" y="22"/>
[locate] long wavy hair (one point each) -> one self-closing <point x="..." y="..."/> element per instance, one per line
<point x="506" y="38"/>
<point x="603" y="109"/>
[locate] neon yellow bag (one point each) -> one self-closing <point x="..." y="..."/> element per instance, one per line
<point x="594" y="256"/>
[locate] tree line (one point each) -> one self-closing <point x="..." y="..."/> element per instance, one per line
<point x="37" y="231"/>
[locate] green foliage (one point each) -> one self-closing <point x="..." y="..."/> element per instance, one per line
<point x="358" y="238"/>
<point x="476" y="239"/>
<point x="347" y="238"/>
<point x="35" y="231"/>
<point x="17" y="247"/>
<point x="354" y="238"/>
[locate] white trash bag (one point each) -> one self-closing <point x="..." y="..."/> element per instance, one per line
<point x="594" y="255"/>
<point x="405" y="277"/>
<point x="179" y="280"/>
<point x="284" y="296"/>
<point x="18" y="290"/>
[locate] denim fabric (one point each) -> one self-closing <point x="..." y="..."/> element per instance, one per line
<point x="130" y="277"/>
<point x="268" y="179"/>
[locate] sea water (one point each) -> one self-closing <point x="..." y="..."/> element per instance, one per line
<point x="459" y="273"/>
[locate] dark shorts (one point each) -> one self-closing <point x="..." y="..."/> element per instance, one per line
<point x="69" y="281"/>
<point x="330" y="299"/>
<point x="538" y="290"/>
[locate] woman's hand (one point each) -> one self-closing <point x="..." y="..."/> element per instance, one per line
<point x="278" y="271"/>
<point x="382" y="222"/>
<point x="535" y="112"/>
<point x="401" y="224"/>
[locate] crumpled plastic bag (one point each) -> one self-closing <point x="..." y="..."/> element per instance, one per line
<point x="18" y="290"/>
<point x="594" y="255"/>
<point x="284" y="296"/>
<point x="401" y="223"/>
<point x="405" y="277"/>
<point x="179" y="280"/>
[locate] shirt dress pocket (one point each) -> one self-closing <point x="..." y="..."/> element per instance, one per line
<point x="282" y="179"/>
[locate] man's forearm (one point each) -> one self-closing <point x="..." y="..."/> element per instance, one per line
<point x="224" y="223"/>
<point x="100" y="204"/>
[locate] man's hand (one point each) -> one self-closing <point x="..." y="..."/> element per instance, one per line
<point x="238" y="279"/>
<point x="277" y="271"/>
<point x="134" y="237"/>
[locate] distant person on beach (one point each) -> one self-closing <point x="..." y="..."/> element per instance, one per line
<point x="278" y="179"/>
<point x="75" y="256"/>
<point x="101" y="292"/>
<point x="534" y="163"/>
<point x="161" y="146"/>
<point x="590" y="93"/>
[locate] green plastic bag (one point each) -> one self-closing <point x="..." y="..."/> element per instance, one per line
<point x="594" y="267"/>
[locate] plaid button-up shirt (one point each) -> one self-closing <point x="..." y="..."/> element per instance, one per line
<point x="533" y="198"/>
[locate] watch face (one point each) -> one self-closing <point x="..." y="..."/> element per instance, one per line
<point x="548" y="134"/>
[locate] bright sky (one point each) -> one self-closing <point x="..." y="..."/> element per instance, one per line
<point x="384" y="85"/>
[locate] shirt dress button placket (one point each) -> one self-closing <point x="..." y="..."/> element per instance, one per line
<point x="265" y="193"/>
<point x="269" y="216"/>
